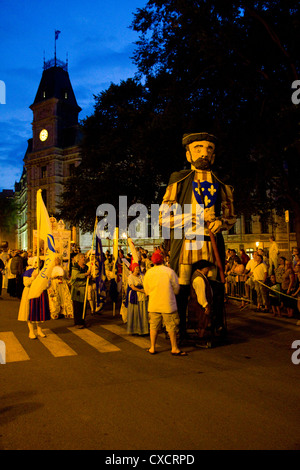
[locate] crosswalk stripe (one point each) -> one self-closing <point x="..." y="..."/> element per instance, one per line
<point x="14" y="349"/>
<point x="138" y="341"/>
<point x="97" y="342"/>
<point x="56" y="345"/>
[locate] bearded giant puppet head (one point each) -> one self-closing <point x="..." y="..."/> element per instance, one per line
<point x="200" y="150"/>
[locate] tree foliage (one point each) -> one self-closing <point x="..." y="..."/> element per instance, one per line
<point x="8" y="214"/>
<point x="225" y="67"/>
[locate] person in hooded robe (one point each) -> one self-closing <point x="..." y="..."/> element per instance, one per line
<point x="34" y="311"/>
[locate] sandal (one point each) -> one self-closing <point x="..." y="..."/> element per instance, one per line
<point x="180" y="353"/>
<point x="152" y="353"/>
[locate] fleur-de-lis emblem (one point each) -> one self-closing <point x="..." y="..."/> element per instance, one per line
<point x="209" y="193"/>
<point x="212" y="190"/>
<point x="206" y="201"/>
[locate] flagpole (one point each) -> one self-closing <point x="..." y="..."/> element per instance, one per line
<point x="115" y="254"/>
<point x="56" y="34"/>
<point x="87" y="279"/>
<point x="55" y="48"/>
<point x="38" y="221"/>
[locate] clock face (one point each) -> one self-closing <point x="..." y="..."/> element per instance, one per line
<point x="43" y="135"/>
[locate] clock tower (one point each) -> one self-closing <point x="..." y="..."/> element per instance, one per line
<point x="53" y="151"/>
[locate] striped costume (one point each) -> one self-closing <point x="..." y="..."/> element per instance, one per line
<point x="217" y="198"/>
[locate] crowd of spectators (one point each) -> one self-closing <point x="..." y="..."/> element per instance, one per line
<point x="271" y="283"/>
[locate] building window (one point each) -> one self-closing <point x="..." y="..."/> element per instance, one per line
<point x="232" y="231"/>
<point x="248" y="224"/>
<point x="44" y="172"/>
<point x="264" y="223"/>
<point x="44" y="196"/>
<point x="292" y="222"/>
<point x="72" y="169"/>
<point x="250" y="252"/>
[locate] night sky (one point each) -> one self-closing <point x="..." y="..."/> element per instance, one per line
<point x="99" y="43"/>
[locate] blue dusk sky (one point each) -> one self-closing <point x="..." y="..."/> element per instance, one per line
<point x="95" y="35"/>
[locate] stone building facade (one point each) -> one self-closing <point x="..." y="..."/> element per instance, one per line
<point x="53" y="151"/>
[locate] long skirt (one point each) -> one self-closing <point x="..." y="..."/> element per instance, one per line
<point x="39" y="308"/>
<point x="137" y="318"/>
<point x="24" y="306"/>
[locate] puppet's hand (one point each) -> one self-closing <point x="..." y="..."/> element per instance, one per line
<point x="215" y="226"/>
<point x="209" y="215"/>
<point x="207" y="310"/>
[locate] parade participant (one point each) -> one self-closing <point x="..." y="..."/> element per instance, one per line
<point x="17" y="269"/>
<point x="161" y="284"/>
<point x="60" y="301"/>
<point x="2" y="267"/>
<point x="5" y="258"/>
<point x="34" y="311"/>
<point x="201" y="297"/>
<point x="91" y="290"/>
<point x="11" y="278"/>
<point x="199" y="185"/>
<point x="137" y="313"/>
<point x="80" y="272"/>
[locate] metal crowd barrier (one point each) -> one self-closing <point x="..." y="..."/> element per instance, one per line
<point x="237" y="288"/>
<point x="242" y="288"/>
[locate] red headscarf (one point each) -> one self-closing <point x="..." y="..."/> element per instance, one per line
<point x="157" y="257"/>
<point x="133" y="266"/>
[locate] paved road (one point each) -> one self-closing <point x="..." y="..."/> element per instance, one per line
<point x="98" y="388"/>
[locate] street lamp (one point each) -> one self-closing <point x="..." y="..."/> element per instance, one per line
<point x="287" y="219"/>
<point x="124" y="237"/>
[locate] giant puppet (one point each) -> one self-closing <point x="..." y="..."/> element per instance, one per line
<point x="199" y="185"/>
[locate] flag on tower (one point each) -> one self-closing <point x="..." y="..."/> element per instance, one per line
<point x="57" y="33"/>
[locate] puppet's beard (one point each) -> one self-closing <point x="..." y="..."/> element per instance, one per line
<point x="202" y="164"/>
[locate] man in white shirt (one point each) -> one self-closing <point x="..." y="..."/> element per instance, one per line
<point x="260" y="274"/>
<point x="249" y="281"/>
<point x="161" y="285"/>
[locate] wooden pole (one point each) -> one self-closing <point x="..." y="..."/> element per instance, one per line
<point x="38" y="222"/>
<point x="115" y="255"/>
